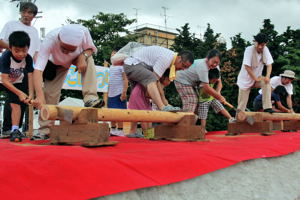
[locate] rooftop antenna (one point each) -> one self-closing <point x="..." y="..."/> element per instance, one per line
<point x="136" y="16"/>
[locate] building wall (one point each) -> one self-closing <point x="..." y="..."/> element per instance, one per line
<point x="150" y="36"/>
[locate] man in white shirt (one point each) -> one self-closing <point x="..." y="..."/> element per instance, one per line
<point x="148" y="64"/>
<point x="62" y="47"/>
<point x="28" y="11"/>
<point x="250" y="76"/>
<point x="285" y="80"/>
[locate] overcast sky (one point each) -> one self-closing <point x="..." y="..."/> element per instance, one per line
<point x="228" y="17"/>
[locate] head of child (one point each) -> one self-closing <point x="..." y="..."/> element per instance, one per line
<point x="28" y="11"/>
<point x="213" y="75"/>
<point x="19" y="43"/>
<point x="117" y="59"/>
<point x="164" y="80"/>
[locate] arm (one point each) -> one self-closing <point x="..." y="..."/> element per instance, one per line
<point x="30" y="85"/>
<point x="209" y="90"/>
<point x="269" y="70"/>
<point x="125" y="87"/>
<point x="6" y="82"/>
<point x="37" y="83"/>
<point x="251" y="74"/>
<point x="81" y="60"/>
<point x="281" y="107"/>
<point x="290" y="102"/>
<point x="35" y="56"/>
<point x="162" y="93"/>
<point x="219" y="86"/>
<point x="3" y="44"/>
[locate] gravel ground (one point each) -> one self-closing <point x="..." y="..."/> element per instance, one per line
<point x="260" y="179"/>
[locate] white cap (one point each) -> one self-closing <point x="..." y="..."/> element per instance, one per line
<point x="71" y="34"/>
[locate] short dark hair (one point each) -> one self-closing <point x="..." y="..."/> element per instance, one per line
<point x="19" y="39"/>
<point x="213" y="53"/>
<point x="261" y="38"/>
<point x="186" y="56"/>
<point x="213" y="73"/>
<point x="29" y="6"/>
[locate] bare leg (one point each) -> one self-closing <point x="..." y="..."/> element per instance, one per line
<point x="226" y="114"/>
<point x="133" y="127"/>
<point x="113" y="124"/>
<point x="203" y="125"/>
<point x="120" y="124"/>
<point x="15" y="114"/>
<point x="153" y="91"/>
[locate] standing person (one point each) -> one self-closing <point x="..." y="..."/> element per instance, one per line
<point x="250" y="76"/>
<point x="148" y="64"/>
<point x="62" y="47"/>
<point x="16" y="67"/>
<point x="188" y="81"/>
<point x="117" y="89"/>
<point x="206" y="100"/>
<point x="28" y="11"/>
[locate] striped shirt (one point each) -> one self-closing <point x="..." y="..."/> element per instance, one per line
<point x="159" y="58"/>
<point x="115" y="85"/>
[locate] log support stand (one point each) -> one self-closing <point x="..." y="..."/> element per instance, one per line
<point x="85" y="130"/>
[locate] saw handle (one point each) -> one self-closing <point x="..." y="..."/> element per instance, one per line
<point x="228" y="104"/>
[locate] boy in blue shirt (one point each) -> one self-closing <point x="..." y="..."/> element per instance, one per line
<point x="16" y="67"/>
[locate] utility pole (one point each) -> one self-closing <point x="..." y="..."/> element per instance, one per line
<point x="136" y="16"/>
<point x="165" y="17"/>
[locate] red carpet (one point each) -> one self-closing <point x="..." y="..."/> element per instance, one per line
<point x="29" y="171"/>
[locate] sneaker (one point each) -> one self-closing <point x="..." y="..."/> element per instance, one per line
<point x="39" y="136"/>
<point x="116" y="132"/>
<point x="16" y="136"/>
<point x="135" y="135"/>
<point x="232" y="120"/>
<point x="269" y="110"/>
<point x="94" y="103"/>
<point x="170" y="108"/>
<point x="5" y="134"/>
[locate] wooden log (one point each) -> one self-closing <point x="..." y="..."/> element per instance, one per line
<point x="50" y="112"/>
<point x="260" y="116"/>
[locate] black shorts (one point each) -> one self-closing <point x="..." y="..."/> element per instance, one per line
<point x="12" y="97"/>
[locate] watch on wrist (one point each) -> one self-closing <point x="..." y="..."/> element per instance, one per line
<point x="86" y="55"/>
